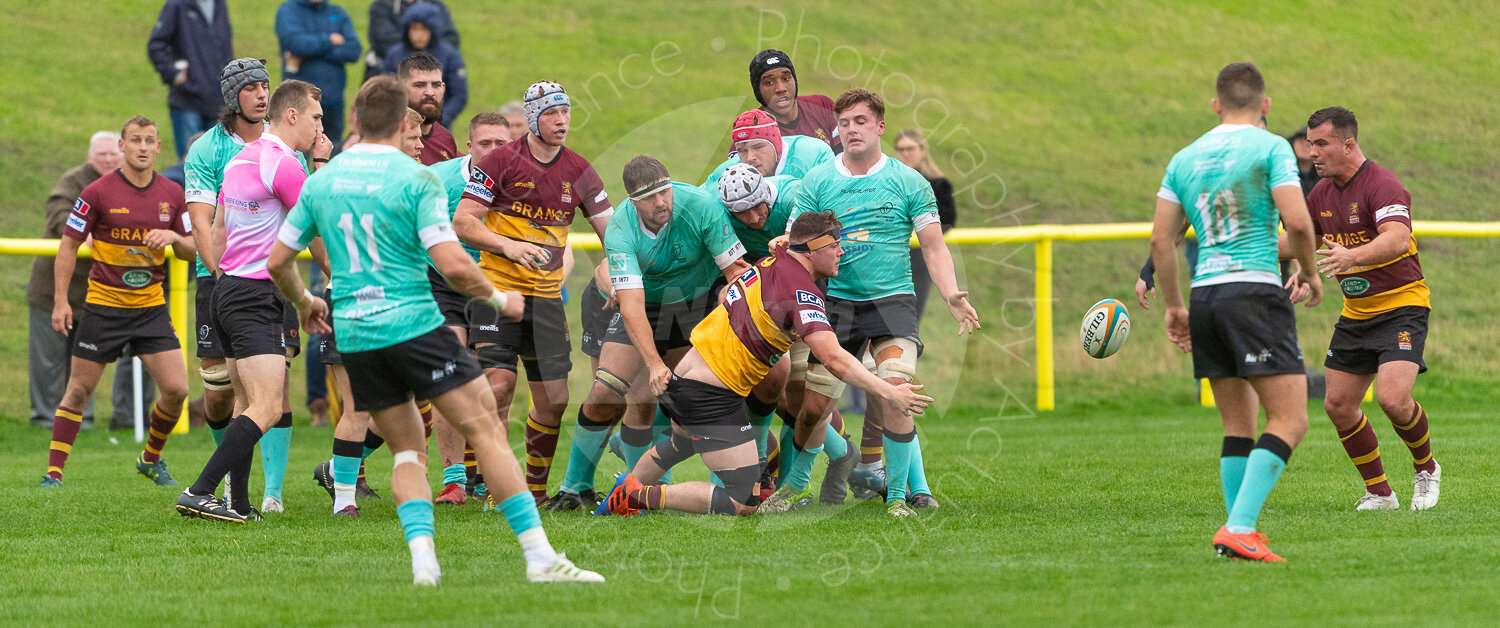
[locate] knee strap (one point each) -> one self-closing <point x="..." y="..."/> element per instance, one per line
<point x="897" y="358"/>
<point x="410" y="456"/>
<point x="821" y="381"/>
<point x="495" y="357"/>
<point x="671" y="452"/>
<point x="612" y="381"/>
<point x="216" y="377"/>
<point x="798" y="355"/>
<point x="738" y="484"/>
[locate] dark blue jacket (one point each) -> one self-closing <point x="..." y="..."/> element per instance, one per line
<point x="455" y="76"/>
<point x="303" y="27"/>
<point x="181" y="34"/>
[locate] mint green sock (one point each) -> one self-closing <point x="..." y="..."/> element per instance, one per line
<point x="416" y="518"/>
<point x="1262" y="469"/>
<point x="788" y="454"/>
<point x="455" y="474"/>
<point x="916" y="475"/>
<point x="275" y="447"/>
<point x="834" y="444"/>
<point x="801" y="472"/>
<point x="583" y="455"/>
<point x="897" y="465"/>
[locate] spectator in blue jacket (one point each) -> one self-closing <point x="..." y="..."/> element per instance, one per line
<point x="386" y="30"/>
<point x="190" y="43"/>
<point x="317" y="41"/>
<point x="421" y="22"/>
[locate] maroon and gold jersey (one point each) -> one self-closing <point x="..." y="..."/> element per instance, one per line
<point x="766" y="309"/>
<point x="533" y="202"/>
<point x="815" y="118"/>
<point x="1351" y="216"/>
<point x="438" y="146"/>
<point x="119" y="215"/>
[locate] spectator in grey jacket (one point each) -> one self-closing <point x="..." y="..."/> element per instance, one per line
<point x="190" y="43"/>
<point x="386" y="30"/>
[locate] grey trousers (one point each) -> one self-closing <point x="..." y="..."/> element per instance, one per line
<point x="49" y="360"/>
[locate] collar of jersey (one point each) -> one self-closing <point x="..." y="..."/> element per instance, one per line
<point x="276" y="140"/>
<point x="1227" y="128"/>
<point x="838" y="162"/>
<point x="372" y="149"/>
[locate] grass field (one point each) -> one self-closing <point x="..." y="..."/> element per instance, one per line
<point x="1041" y="112"/>
<point x="1098" y="514"/>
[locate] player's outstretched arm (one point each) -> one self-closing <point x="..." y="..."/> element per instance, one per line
<point x="825" y="345"/>
<point x="638" y="327"/>
<point x="1301" y="242"/>
<point x="312" y="313"/>
<point x="461" y="272"/>
<point x="1168" y="222"/>
<point x="940" y="267"/>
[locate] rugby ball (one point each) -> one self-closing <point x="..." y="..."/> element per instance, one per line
<point x="1105" y="328"/>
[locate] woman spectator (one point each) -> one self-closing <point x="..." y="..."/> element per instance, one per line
<point x="911" y="149"/>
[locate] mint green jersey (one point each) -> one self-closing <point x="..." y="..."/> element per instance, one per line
<point x="681" y="261"/>
<point x="378" y="211"/>
<point x="802" y="154"/>
<point x="784" y="198"/>
<point x="454" y="174"/>
<point x="880" y="211"/>
<point x="1223" y="180"/>
<point x="203" y="168"/>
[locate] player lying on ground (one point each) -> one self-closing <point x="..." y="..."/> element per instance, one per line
<point x="764" y="310"/>
<point x="394" y="343"/>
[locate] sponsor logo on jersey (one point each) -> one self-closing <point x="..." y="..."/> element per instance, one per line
<point x="480" y="190"/>
<point x="80" y="207"/>
<point x="567" y="193"/>
<point x="618" y="261"/>
<point x="733" y="295"/>
<point x="813" y="316"/>
<point x="369" y="294"/>
<point x="807" y="298"/>
<point x="1403" y="340"/>
<point x="1354" y="286"/>
<point x="136" y="278"/>
<point x="75" y="223"/>
<point x="750" y="277"/>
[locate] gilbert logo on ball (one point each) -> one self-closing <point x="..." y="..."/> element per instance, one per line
<point x="1105" y="328"/>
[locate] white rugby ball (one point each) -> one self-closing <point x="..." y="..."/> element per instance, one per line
<point x="1105" y="328"/>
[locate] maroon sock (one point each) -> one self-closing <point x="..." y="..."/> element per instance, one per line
<point x="1364" y="451"/>
<point x="425" y="409"/>
<point x="871" y="440"/>
<point x="541" y="445"/>
<point x="1416" y="436"/>
<point x="65" y="424"/>
<point x="162" y="423"/>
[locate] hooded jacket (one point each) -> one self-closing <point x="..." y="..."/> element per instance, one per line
<point x="183" y="35"/>
<point x="455" y="76"/>
<point x="303" y="28"/>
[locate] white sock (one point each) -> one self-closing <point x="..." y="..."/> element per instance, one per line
<point x="867" y="466"/>
<point x="536" y="549"/>
<point x="423" y="554"/>
<point x="341" y="498"/>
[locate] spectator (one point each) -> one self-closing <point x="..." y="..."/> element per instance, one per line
<point x="191" y="41"/>
<point x="386" y="30"/>
<point x="49" y="358"/>
<point x="515" y="117"/>
<point x="421" y="22"/>
<point x="317" y="40"/>
<point x="1307" y="175"/>
<point x="911" y="149"/>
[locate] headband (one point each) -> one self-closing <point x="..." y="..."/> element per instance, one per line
<point x="827" y="239"/>
<point x="649" y="189"/>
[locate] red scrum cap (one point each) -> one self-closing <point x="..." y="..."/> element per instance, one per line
<point x="756" y="124"/>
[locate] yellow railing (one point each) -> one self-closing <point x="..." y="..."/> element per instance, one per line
<point x="1042" y="235"/>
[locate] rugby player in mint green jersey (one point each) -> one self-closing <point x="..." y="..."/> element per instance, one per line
<point x="872" y="302"/>
<point x="1236" y="182"/>
<point x="384" y="216"/>
<point x="758" y="142"/>
<point x="667" y="247"/>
